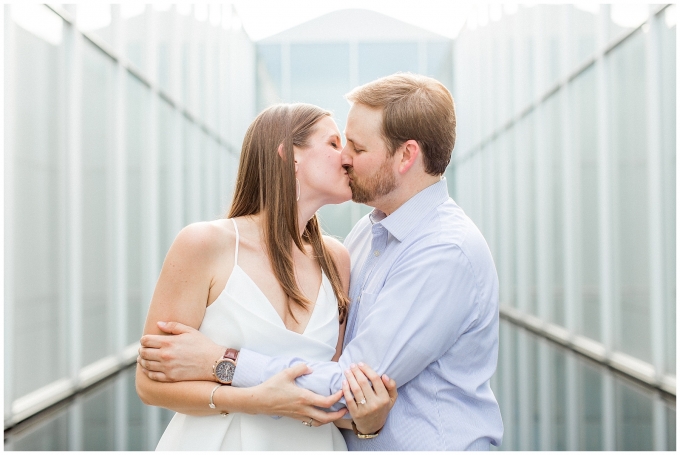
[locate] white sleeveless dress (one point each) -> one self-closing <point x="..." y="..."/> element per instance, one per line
<point x="242" y="317"/>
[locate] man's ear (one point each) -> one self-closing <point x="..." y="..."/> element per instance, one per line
<point x="410" y="150"/>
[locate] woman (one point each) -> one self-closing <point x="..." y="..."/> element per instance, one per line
<point x="265" y="279"/>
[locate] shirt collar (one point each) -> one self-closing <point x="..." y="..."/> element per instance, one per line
<point x="402" y="221"/>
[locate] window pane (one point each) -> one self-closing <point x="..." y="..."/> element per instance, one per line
<point x="38" y="218"/>
<point x="167" y="180"/>
<point x="668" y="166"/>
<point x="630" y="185"/>
<point x="590" y="415"/>
<point x="137" y="195"/>
<point x="583" y="23"/>
<point x="98" y="419"/>
<point x="551" y="59"/>
<point x="96" y="19"/>
<point x="525" y="227"/>
<point x="269" y="88"/>
<point x="165" y="32"/>
<point x="585" y="145"/>
<point x="97" y="152"/>
<point x="319" y="74"/>
<point x="52" y="435"/>
<point x="555" y="222"/>
<point x="336" y="219"/>
<point x="509" y="201"/>
<point x="439" y="64"/>
<point x="192" y="169"/>
<point x="634" y="419"/>
<point x="382" y="59"/>
<point x="135" y="34"/>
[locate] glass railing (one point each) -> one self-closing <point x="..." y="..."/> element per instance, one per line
<point x="551" y="399"/>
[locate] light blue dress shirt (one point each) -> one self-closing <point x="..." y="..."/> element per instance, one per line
<point x="424" y="310"/>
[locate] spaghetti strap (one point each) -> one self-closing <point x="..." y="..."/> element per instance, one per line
<point x="237" y="242"/>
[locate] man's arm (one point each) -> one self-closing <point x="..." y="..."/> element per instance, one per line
<point x="428" y="301"/>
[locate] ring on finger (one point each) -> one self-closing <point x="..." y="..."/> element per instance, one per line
<point x="308" y="424"/>
<point x="363" y="401"/>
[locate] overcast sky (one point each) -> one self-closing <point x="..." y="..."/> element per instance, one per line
<point x="263" y="18"/>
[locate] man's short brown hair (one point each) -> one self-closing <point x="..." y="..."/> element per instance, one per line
<point x="414" y="107"/>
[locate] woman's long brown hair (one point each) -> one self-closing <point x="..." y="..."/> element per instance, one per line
<point x="266" y="183"/>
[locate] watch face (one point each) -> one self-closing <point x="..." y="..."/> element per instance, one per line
<point x="225" y="370"/>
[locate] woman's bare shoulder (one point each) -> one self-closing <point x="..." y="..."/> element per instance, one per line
<point x="338" y="250"/>
<point x="205" y="240"/>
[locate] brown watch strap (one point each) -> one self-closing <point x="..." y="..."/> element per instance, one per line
<point x="362" y="435"/>
<point x="231" y="354"/>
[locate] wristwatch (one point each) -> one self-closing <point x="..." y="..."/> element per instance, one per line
<point x="224" y="368"/>
<point x="364" y="436"/>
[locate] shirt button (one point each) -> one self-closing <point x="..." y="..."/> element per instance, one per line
<point x="376" y="253"/>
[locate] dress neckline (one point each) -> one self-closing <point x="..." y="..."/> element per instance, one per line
<point x="267" y="303"/>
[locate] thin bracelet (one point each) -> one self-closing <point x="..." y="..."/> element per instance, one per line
<point x="212" y="404"/>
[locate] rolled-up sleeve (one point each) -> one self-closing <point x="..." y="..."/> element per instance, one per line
<point x="429" y="299"/>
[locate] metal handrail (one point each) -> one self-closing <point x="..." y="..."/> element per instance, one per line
<point x="55" y="392"/>
<point x="592" y="349"/>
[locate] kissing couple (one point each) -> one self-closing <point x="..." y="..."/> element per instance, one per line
<point x="265" y="334"/>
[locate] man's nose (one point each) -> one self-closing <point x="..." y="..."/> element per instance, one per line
<point x="345" y="157"/>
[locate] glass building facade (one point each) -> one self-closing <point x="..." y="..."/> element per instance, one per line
<point x="322" y="60"/>
<point x="123" y="124"/>
<point x="566" y="161"/>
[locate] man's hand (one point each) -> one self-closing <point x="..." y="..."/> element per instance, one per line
<point x="280" y="396"/>
<point x="369" y="403"/>
<point x="187" y="355"/>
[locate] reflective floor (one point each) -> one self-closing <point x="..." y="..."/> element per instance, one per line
<point x="550" y="398"/>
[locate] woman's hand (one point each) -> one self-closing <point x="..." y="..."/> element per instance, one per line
<point x="279" y="395"/>
<point x="369" y="406"/>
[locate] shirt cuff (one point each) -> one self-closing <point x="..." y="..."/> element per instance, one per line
<point x="249" y="369"/>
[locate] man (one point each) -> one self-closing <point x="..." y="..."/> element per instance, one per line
<point x="423" y="288"/>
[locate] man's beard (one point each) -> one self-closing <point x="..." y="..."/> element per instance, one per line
<point x="379" y="184"/>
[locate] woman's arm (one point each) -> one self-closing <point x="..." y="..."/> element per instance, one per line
<point x="182" y="294"/>
<point x="191" y="397"/>
<point x="277" y="396"/>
